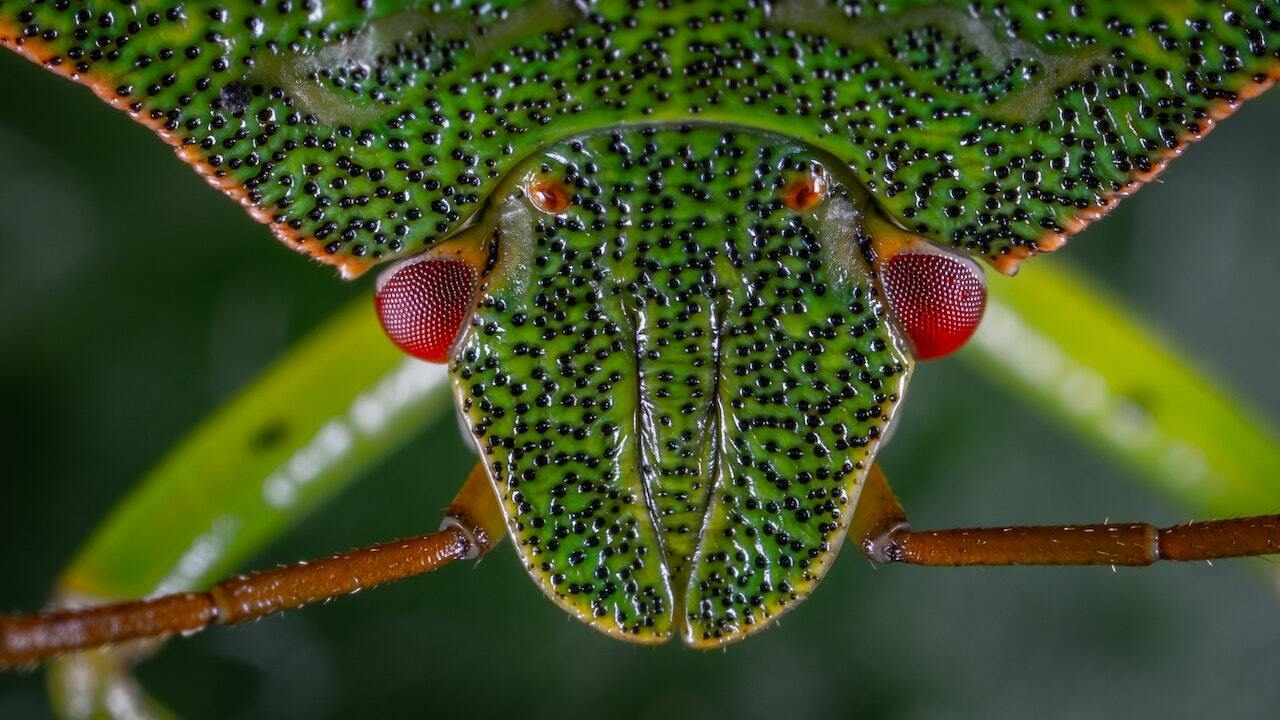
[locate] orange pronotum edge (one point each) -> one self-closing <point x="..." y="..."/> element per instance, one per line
<point x="1218" y="110"/>
<point x="39" y="53"/>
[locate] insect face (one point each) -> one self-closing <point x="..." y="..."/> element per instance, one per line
<point x="685" y="342"/>
<point x="676" y="394"/>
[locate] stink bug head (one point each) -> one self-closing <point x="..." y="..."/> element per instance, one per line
<point x="677" y="348"/>
<point x="698" y="355"/>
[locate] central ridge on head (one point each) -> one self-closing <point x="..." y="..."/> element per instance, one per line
<point x="676" y="385"/>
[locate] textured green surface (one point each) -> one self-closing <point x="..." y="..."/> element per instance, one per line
<point x="681" y="392"/>
<point x="365" y="130"/>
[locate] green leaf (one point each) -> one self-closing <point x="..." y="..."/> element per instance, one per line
<point x="1052" y="337"/>
<point x="333" y="406"/>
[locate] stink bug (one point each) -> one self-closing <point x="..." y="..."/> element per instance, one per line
<point x="680" y="259"/>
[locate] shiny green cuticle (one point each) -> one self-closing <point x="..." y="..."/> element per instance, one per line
<point x="680" y="402"/>
<point x="364" y="131"/>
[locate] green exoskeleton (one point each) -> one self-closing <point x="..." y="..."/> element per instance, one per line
<point x="679" y="258"/>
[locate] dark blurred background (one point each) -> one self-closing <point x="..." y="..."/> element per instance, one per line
<point x="134" y="300"/>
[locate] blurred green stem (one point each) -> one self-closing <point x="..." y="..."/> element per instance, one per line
<point x="335" y="405"/>
<point x="1057" y="340"/>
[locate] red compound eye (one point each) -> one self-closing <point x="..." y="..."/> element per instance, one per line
<point x="422" y="305"/>
<point x="936" y="298"/>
